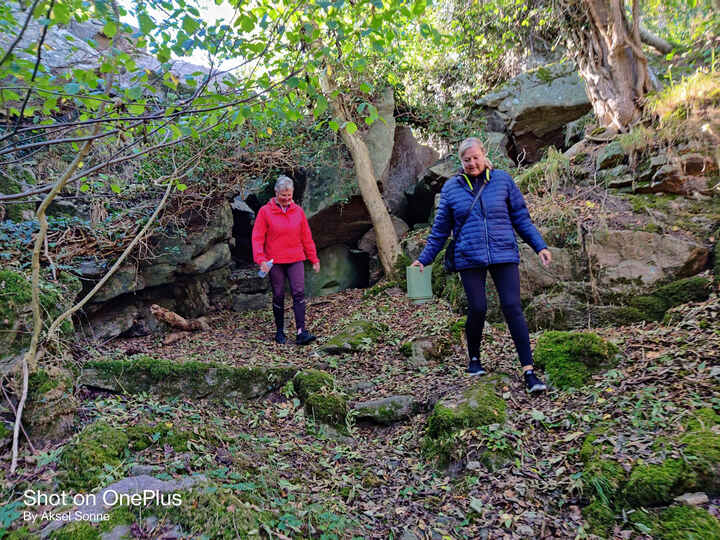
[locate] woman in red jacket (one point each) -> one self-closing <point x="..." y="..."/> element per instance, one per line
<point x="281" y="234"/>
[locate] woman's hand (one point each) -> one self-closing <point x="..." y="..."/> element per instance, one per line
<point x="545" y="256"/>
<point x="264" y="267"/>
<point x="418" y="263"/>
<point x="316" y="267"/>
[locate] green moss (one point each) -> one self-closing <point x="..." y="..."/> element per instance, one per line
<point x="692" y="289"/>
<point x="213" y="513"/>
<point x="591" y="448"/>
<point x="83" y="460"/>
<point x="143" y="436"/>
<point x="23" y="533"/>
<point x="604" y="478"/>
<point x="309" y="381"/>
<point x="457" y="328"/>
<point x="77" y="530"/>
<point x="355" y="336"/>
<point x="652" y="307"/>
<point x="702" y="449"/>
<point x="657" y="484"/>
<point x="400" y="274"/>
<point x="41" y="383"/>
<point x="569" y="357"/>
<point x="700" y="419"/>
<point x="406" y="349"/>
<point x="143" y="373"/>
<point x="479" y="406"/>
<point x="600" y="519"/>
<point x="13" y="211"/>
<point x="120" y="515"/>
<point x="327" y="408"/>
<point x="686" y="523"/>
<point x="4" y="431"/>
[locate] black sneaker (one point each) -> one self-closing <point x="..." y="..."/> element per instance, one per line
<point x="280" y="337"/>
<point x="304" y="337"/>
<point x="533" y="383"/>
<point x="475" y="367"/>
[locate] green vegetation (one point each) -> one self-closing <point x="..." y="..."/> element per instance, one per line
<point x="569" y="358"/>
<point x="480" y="406"/>
<point x="83" y="460"/>
<point x="142" y="436"/>
<point x="327" y="408"/>
<point x="310" y="381"/>
<point x="355" y="336"/>
<point x="600" y="519"/>
<point x="144" y="373"/>
<point x="655" y="484"/>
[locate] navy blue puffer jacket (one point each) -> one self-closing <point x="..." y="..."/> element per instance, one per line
<point x="487" y="235"/>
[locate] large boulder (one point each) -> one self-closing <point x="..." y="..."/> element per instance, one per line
<point x="409" y="160"/>
<point x="622" y="256"/>
<point x="534" y="107"/>
<point x="380" y="137"/>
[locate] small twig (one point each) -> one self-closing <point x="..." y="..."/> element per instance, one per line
<point x="15" y="413"/>
<point x="18" y="414"/>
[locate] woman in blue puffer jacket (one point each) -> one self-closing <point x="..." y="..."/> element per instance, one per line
<point x="487" y="242"/>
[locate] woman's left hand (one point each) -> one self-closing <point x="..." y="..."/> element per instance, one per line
<point x="545" y="256"/>
<point x="316" y="267"/>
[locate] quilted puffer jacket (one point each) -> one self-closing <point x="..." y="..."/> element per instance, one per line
<point x="487" y="235"/>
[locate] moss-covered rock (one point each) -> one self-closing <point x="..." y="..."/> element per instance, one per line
<point x="386" y="410"/>
<point x="83" y="460"/>
<point x="569" y="358"/>
<point x="604" y="479"/>
<point x="211" y="512"/>
<point x="600" y="519"/>
<point x="14" y="211"/>
<point x="685" y="523"/>
<point x="657" y="484"/>
<point x="702" y="448"/>
<point x="682" y="291"/>
<point x="193" y="379"/>
<point x="77" y="530"/>
<point x="327" y="408"/>
<point x="479" y="405"/>
<point x="309" y="381"/>
<point x="593" y="447"/>
<point x="447" y="285"/>
<point x="355" y="336"/>
<point x="142" y="436"/>
<point x="652" y="307"/>
<point x="51" y="403"/>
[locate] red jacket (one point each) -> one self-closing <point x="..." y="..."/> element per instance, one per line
<point x="283" y="236"/>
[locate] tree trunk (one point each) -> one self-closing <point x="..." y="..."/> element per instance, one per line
<point x="657" y="42"/>
<point x="608" y="52"/>
<point x="387" y="240"/>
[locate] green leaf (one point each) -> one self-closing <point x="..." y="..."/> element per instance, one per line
<point x="110" y="29"/>
<point x="147" y="25"/>
<point x="365" y="87"/>
<point x="181" y="187"/>
<point x="190" y="24"/>
<point x="351" y="127"/>
<point x="115" y="188"/>
<point x="333" y="125"/>
<point x="84" y="187"/>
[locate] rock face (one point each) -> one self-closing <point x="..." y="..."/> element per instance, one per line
<point x="624" y="255"/>
<point x="533" y="108"/>
<point x="191" y="379"/>
<point x="340" y="268"/>
<point x="386" y="410"/>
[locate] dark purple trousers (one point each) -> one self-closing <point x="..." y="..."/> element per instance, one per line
<point x="295" y="274"/>
<point x="507" y="282"/>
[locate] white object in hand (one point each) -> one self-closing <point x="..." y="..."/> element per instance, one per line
<point x="269" y="265"/>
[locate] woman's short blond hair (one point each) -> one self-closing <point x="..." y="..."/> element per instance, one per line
<point x="469" y="143"/>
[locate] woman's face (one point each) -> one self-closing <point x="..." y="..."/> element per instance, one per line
<point x="474" y="161"/>
<point x="284" y="196"/>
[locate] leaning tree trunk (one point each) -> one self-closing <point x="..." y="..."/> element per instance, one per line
<point x="387" y="240"/>
<point x="608" y="52"/>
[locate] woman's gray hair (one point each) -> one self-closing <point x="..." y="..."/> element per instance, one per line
<point x="469" y="143"/>
<point x="283" y="182"/>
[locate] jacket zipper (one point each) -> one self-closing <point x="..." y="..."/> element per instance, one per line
<point x="487" y="238"/>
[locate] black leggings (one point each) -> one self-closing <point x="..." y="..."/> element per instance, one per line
<point x="507" y="281"/>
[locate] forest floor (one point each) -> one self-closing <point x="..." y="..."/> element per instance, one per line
<point x="377" y="482"/>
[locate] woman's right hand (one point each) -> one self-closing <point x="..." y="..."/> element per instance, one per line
<point x="418" y="263"/>
<point x="264" y="267"/>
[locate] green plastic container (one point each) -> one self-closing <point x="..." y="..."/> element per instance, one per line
<point x="419" y="284"/>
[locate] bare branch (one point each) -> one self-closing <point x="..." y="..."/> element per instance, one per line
<point x="20" y="34"/>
